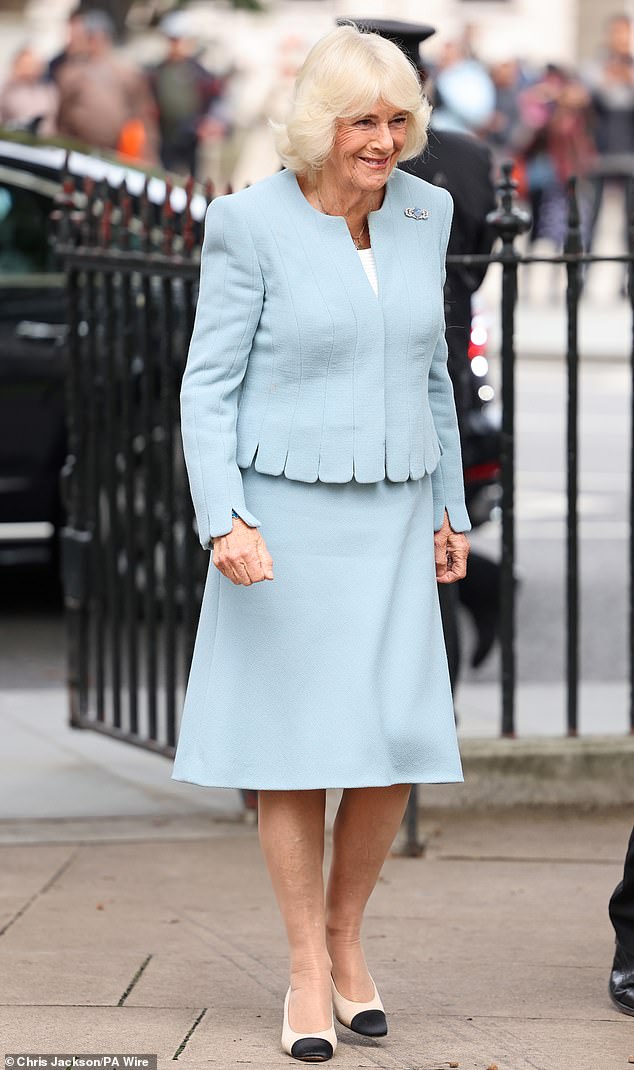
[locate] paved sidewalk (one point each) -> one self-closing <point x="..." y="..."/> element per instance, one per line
<point x="50" y="770"/>
<point x="136" y="916"/>
<point x="160" y="934"/>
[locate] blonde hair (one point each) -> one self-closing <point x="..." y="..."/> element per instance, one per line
<point x="344" y="75"/>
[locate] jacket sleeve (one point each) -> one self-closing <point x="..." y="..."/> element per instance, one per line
<point x="229" y="304"/>
<point x="447" y="478"/>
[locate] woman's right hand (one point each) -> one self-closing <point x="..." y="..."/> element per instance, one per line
<point x="242" y="556"/>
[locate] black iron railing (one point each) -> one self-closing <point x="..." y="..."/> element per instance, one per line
<point x="509" y="222"/>
<point x="132" y="565"/>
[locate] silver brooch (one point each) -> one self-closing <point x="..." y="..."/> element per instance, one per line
<point x="417" y="213"/>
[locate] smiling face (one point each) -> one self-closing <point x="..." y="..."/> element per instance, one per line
<point x="366" y="148"/>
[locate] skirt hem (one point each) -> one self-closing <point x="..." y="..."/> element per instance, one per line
<point x="322" y="787"/>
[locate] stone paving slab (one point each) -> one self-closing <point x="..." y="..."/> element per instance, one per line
<point x="421" y="1042"/>
<point x="24" y="875"/>
<point x="96" y="1029"/>
<point x="143" y="828"/>
<point x="85" y="976"/>
<point x="235" y="1038"/>
<point x="590" y="836"/>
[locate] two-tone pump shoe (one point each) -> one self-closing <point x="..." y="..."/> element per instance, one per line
<point x="308" y="1048"/>
<point x="368" y="1019"/>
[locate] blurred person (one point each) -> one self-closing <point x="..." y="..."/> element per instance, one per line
<point x="555" y="145"/>
<point x="318" y="415"/>
<point x="610" y="80"/>
<point x="501" y="129"/>
<point x="76" y="44"/>
<point x="189" y="98"/>
<point x="463" y="90"/>
<point x="26" y="98"/>
<point x="621" y="984"/>
<point x="104" y="101"/>
<point x="462" y="164"/>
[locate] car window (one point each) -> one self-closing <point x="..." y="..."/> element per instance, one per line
<point x="24" y="230"/>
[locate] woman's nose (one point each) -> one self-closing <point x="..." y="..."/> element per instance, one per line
<point x="383" y="138"/>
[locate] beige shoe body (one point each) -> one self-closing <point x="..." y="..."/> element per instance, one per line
<point x="367" y="1018"/>
<point x="308" y="1047"/>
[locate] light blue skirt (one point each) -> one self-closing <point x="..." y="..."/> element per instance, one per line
<point x="335" y="673"/>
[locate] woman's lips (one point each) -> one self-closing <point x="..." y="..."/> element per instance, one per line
<point x="375" y="162"/>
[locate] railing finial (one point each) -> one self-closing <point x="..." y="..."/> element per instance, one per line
<point x="573" y="242"/>
<point x="507" y="220"/>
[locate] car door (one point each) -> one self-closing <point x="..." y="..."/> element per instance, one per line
<point x="32" y="330"/>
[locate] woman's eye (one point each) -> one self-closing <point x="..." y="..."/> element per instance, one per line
<point x="399" y="120"/>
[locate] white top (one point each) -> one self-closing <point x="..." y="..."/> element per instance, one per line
<point x="367" y="259"/>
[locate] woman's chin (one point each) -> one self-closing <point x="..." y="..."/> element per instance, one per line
<point x="372" y="180"/>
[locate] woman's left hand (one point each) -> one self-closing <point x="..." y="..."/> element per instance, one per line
<point x="451" y="549"/>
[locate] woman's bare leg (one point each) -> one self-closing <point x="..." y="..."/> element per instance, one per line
<point x="291" y="829"/>
<point x="366" y="825"/>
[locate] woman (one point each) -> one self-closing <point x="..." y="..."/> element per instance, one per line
<point x="316" y="406"/>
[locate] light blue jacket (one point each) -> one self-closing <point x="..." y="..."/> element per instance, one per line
<point x="295" y="360"/>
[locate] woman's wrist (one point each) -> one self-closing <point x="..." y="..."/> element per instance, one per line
<point x="234" y="515"/>
<point x="237" y="516"/>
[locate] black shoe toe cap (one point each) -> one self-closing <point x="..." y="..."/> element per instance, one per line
<point x="312" y="1049"/>
<point x="370" y="1023"/>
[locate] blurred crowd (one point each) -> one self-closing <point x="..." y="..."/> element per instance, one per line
<point x="553" y="121"/>
<point x="90" y="93"/>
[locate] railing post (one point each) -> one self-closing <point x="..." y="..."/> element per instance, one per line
<point x="572" y="246"/>
<point x="630" y="196"/>
<point x="74" y="540"/>
<point x="508" y="221"/>
<point x="413" y="846"/>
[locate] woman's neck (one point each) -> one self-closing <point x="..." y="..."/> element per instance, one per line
<point x="329" y="196"/>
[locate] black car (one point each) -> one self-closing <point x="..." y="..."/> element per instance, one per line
<point x="33" y="331"/>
